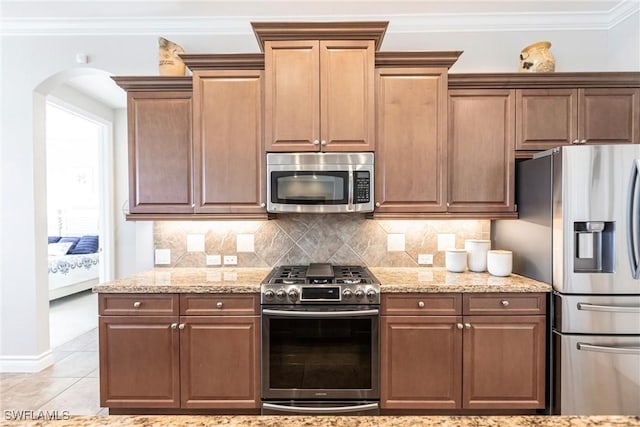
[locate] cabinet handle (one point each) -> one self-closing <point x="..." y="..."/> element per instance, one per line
<point x="583" y="141"/>
<point x="421" y="304"/>
<point x="181" y="326"/>
<point x="174" y="325"/>
<point x="137" y="304"/>
<point x="460" y="325"/>
<point x="467" y="325"/>
<point x="323" y="142"/>
<point x="316" y="142"/>
<point x="377" y="204"/>
<point x="219" y="304"/>
<point x="575" y="141"/>
<point x="504" y="303"/>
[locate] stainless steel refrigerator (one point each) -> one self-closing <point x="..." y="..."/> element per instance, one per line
<point x="579" y="230"/>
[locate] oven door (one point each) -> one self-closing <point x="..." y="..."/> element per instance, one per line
<point x="320" y="352"/>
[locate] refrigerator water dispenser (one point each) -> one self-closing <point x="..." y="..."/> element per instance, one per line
<point x="594" y="247"/>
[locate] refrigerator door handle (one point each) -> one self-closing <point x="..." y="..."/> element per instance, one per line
<point x="633" y="219"/>
<point x="608" y="308"/>
<point x="608" y="349"/>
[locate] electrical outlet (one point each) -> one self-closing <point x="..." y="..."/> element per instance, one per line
<point x="163" y="256"/>
<point x="214" y="260"/>
<point x="425" y="259"/>
<point x="230" y="260"/>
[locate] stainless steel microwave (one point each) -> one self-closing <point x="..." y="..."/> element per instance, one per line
<point x="319" y="182"/>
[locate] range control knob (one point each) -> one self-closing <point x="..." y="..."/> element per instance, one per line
<point x="293" y="294"/>
<point x="371" y="294"/>
<point x="269" y="294"/>
<point x="347" y="294"/>
<point x="281" y="294"/>
<point x="359" y="293"/>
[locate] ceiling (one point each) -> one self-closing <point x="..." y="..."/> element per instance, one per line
<point x="233" y="17"/>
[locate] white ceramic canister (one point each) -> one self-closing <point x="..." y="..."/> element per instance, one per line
<point x="477" y="254"/>
<point x="455" y="260"/>
<point x="499" y="263"/>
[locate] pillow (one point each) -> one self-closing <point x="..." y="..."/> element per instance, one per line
<point x="86" y="245"/>
<point x="59" y="249"/>
<point x="74" y="240"/>
<point x="54" y="239"/>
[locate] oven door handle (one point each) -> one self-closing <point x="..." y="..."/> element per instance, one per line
<point x="323" y="314"/>
<point x="320" y="410"/>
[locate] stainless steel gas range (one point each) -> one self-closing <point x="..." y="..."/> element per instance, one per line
<point x="320" y="340"/>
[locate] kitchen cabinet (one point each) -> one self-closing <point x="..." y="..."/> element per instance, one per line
<point x="159" y="114"/>
<point x="228" y="145"/>
<point x="481" y="156"/>
<point x="319" y="95"/>
<point x="179" y="351"/>
<point x="463" y="351"/>
<point x="547" y="118"/>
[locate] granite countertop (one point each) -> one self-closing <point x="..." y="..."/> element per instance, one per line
<point x="247" y="280"/>
<point x="339" y="421"/>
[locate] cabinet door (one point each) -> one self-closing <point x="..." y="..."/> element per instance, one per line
<point x="481" y="151"/>
<point x="292" y="95"/>
<point x="160" y="178"/>
<point x="504" y="362"/>
<point x="229" y="155"/>
<point x="609" y="116"/>
<point x="411" y="140"/>
<point x="420" y="362"/>
<point x="139" y="362"/>
<point x="546" y="118"/>
<point x="347" y="111"/>
<point x="220" y="362"/>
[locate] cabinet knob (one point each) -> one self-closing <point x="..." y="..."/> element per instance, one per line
<point x="262" y="205"/>
<point x="421" y="304"/>
<point x="460" y="325"/>
<point x="181" y="326"/>
<point x="219" y="304"/>
<point x="504" y="303"/>
<point x="323" y="142"/>
<point x="174" y="325"/>
<point x="467" y="325"/>
<point x="377" y="204"/>
<point x="316" y="142"/>
<point x="583" y="141"/>
<point x="137" y="304"/>
<point x="575" y="141"/>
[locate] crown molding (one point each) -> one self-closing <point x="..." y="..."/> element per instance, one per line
<point x="241" y="25"/>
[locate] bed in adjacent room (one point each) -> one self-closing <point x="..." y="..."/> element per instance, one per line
<point x="74" y="264"/>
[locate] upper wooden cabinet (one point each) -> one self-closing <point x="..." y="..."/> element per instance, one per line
<point x="481" y="150"/>
<point x="547" y="118"/>
<point x="159" y="113"/>
<point x="319" y="95"/>
<point x="411" y="156"/>
<point x="228" y="148"/>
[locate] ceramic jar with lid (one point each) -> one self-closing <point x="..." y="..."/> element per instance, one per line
<point x="477" y="254"/>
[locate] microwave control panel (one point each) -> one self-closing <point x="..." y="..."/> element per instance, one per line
<point x="362" y="184"/>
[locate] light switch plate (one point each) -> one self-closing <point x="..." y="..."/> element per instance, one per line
<point x="230" y="260"/>
<point x="425" y="259"/>
<point x="195" y="242"/>
<point x="245" y="243"/>
<point x="395" y="242"/>
<point x="446" y="241"/>
<point x="163" y="256"/>
<point x="214" y="260"/>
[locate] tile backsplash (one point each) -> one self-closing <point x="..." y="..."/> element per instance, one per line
<point x="305" y="238"/>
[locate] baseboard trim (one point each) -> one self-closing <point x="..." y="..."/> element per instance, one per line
<point x="28" y="364"/>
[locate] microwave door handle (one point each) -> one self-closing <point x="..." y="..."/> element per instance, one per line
<point x="322" y="314"/>
<point x="633" y="220"/>
<point x="350" y="197"/>
<point x="321" y="410"/>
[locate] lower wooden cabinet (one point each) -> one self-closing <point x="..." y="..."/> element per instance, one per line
<point x="434" y="360"/>
<point x="179" y="361"/>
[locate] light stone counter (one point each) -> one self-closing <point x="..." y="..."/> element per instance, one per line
<point x="338" y="421"/>
<point x="438" y="279"/>
<point x="247" y="280"/>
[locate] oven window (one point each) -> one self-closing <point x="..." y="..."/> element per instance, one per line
<point x="309" y="188"/>
<point x="320" y="353"/>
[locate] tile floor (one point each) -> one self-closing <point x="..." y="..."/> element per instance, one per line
<point x="71" y="384"/>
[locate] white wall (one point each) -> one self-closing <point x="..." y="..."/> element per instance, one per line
<point x="623" y="45"/>
<point x="28" y="64"/>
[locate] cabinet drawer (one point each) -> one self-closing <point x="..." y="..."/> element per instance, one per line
<point x="219" y="305"/>
<point x="138" y="304"/>
<point x="504" y="303"/>
<point x="417" y="304"/>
